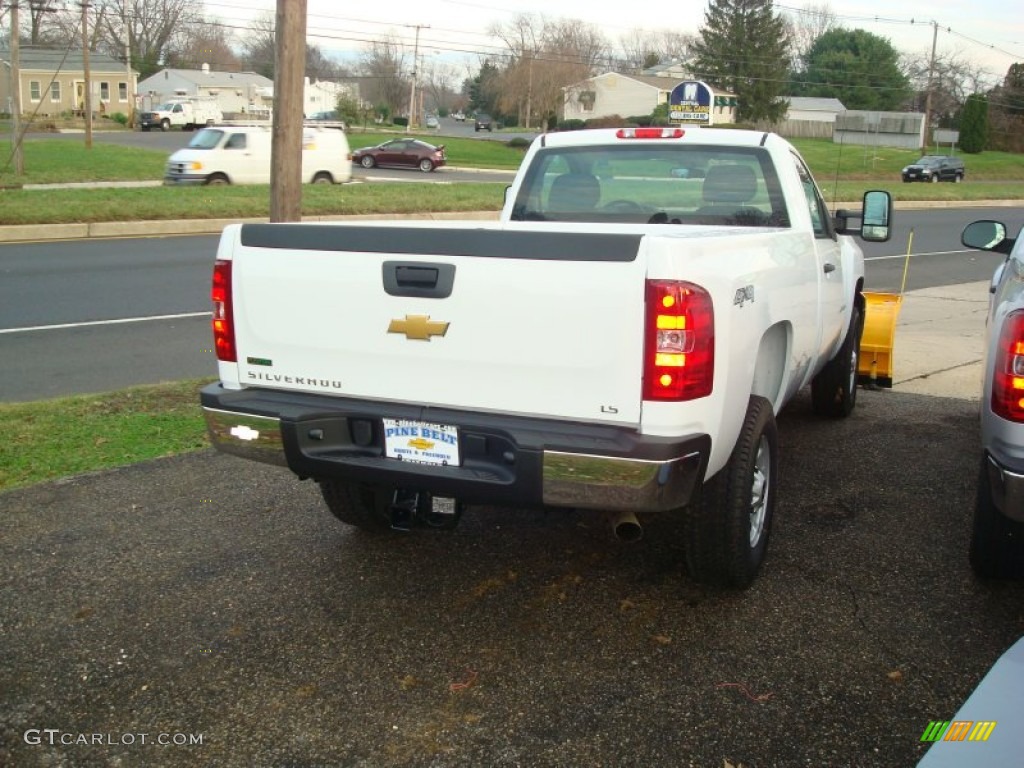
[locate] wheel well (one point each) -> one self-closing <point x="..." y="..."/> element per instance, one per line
<point x="770" y="368"/>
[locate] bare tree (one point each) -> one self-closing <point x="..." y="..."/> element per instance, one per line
<point x="384" y="65"/>
<point x="205" y="43"/>
<point x="438" y="80"/>
<point x="544" y="56"/>
<point x="806" y="25"/>
<point x="258" y="45"/>
<point x="954" y="77"/>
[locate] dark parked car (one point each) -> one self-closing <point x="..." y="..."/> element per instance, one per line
<point x="935" y="168"/>
<point x="326" y="117"/>
<point x="402" y="153"/>
<point x="483" y="123"/>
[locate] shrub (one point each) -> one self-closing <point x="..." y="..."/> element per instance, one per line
<point x="518" y="143"/>
<point x="572" y="125"/>
<point x="120" y="117"/>
<point x="402" y="121"/>
<point x="609" y="121"/>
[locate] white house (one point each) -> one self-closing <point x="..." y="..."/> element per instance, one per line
<point x="323" y="95"/>
<point x="813" y="108"/>
<point x="235" y="92"/>
<point x="614" y="93"/>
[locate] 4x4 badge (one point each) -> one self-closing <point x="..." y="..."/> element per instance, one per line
<point x="419" y="327"/>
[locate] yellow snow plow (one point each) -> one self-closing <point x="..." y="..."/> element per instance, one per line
<point x="881" y="311"/>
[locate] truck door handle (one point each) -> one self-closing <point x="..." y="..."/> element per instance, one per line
<point x="829" y="267"/>
<point x="418" y="279"/>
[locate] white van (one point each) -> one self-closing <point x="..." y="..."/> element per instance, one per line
<point x="225" y="154"/>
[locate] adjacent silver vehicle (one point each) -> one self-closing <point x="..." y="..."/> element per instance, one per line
<point x="997" y="542"/>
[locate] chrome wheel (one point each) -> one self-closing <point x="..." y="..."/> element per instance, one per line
<point x="760" y="490"/>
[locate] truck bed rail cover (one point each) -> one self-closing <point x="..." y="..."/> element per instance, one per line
<point x="480" y="243"/>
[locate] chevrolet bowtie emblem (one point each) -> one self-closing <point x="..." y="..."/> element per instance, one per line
<point x="419" y="327"/>
<point x="421" y="444"/>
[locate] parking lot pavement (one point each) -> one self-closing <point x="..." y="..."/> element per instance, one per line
<point x="210" y="599"/>
<point x="939" y="341"/>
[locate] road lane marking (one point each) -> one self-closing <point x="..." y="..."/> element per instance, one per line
<point x="117" y="321"/>
<point x="923" y="253"/>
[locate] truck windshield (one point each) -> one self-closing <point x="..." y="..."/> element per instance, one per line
<point x="655" y="184"/>
<point x="208" y="138"/>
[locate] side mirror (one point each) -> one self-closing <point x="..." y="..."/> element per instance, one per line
<point x="875" y="215"/>
<point x="986" y="235"/>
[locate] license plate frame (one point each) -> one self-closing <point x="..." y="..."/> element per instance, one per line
<point x="422" y="442"/>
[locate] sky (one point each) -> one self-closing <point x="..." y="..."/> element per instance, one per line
<point x="985" y="32"/>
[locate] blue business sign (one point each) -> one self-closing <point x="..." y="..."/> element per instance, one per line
<point x="690" y="102"/>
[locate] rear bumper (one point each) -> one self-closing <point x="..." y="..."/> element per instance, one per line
<point x="1007" y="488"/>
<point x="505" y="460"/>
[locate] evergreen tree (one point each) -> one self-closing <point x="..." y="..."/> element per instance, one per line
<point x="974" y="124"/>
<point x="744" y="48"/>
<point x="858" y="68"/>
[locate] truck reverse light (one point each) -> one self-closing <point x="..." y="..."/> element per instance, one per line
<point x="1008" y="376"/>
<point x="679" y="353"/>
<point x="223" y="313"/>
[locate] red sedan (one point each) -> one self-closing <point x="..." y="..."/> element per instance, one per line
<point x="402" y="153"/>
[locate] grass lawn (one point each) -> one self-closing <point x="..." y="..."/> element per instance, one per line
<point x="70" y="435"/>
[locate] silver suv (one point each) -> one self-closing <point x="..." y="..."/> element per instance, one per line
<point x="997" y="541"/>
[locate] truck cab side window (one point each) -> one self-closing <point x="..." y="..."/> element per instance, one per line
<point x="821" y="221"/>
<point x="237" y="141"/>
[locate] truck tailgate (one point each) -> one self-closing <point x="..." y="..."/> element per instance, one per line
<point x="474" y="317"/>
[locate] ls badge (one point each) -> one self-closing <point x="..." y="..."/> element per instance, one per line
<point x="419" y="327"/>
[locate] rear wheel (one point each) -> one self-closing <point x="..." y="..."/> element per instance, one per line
<point x="366" y="162"/>
<point x="727" y="529"/>
<point x="323" y="177"/>
<point x="997" y="543"/>
<point x="834" y="389"/>
<point x="426" y="165"/>
<point x="358" y="504"/>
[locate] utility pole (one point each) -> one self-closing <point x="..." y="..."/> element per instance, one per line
<point x="928" y="96"/>
<point x="88" y="82"/>
<point x="18" y="156"/>
<point x="415" y="62"/>
<point x="128" y="64"/>
<point x="286" y="139"/>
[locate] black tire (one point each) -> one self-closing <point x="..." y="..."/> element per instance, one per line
<point x="165" y="125"/>
<point x="958" y="178"/>
<point x="366" y="161"/>
<point x="997" y="543"/>
<point x="357" y="504"/>
<point x="323" y="177"/>
<point x="834" y="389"/>
<point x="217" y="180"/>
<point x="426" y="165"/>
<point x="935" y="178"/>
<point x="727" y="528"/>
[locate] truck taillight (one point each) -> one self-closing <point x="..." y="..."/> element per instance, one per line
<point x="223" y="315"/>
<point x="679" y="350"/>
<point x="1008" y="376"/>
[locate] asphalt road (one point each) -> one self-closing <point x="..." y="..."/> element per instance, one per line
<point x="89" y="289"/>
<point x="214" y="599"/>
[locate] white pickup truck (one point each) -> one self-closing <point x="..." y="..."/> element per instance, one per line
<point x="186" y="114"/>
<point x="621" y="339"/>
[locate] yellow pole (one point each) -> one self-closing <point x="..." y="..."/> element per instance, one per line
<point x="906" y="264"/>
